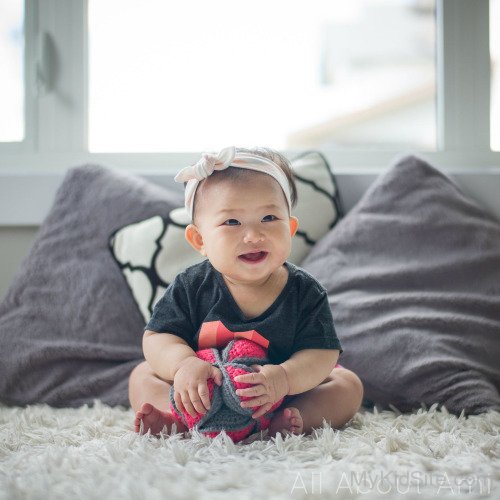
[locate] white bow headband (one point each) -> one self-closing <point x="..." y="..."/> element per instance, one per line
<point x="227" y="157"/>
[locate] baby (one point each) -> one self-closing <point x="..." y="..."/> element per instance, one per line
<point x="240" y="203"/>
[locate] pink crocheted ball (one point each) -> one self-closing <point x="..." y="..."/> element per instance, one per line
<point x="225" y="412"/>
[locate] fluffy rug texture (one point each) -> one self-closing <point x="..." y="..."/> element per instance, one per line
<point x="92" y="452"/>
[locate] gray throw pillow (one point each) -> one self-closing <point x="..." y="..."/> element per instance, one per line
<point x="413" y="276"/>
<point x="70" y="331"/>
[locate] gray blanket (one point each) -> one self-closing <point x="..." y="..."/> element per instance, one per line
<point x="413" y="276"/>
<point x="70" y="330"/>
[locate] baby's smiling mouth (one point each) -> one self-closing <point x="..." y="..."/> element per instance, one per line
<point x="253" y="257"/>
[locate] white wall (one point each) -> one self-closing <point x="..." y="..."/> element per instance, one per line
<point x="15" y="243"/>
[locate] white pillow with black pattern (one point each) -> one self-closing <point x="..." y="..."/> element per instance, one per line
<point x="152" y="252"/>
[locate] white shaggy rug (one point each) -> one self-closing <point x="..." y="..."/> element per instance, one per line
<point x="92" y="453"/>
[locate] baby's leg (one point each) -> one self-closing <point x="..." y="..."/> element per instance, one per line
<point x="149" y="397"/>
<point x="336" y="400"/>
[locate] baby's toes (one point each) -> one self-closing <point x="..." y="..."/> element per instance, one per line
<point x="146" y="409"/>
<point x="137" y="421"/>
<point x="295" y="420"/>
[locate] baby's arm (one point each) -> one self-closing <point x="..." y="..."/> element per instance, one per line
<point x="307" y="368"/>
<point x="304" y="370"/>
<point x="173" y="360"/>
<point x="164" y="352"/>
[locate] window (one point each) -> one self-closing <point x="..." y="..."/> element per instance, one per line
<point x="184" y="76"/>
<point x="148" y="85"/>
<point x="11" y="70"/>
<point x="495" y="73"/>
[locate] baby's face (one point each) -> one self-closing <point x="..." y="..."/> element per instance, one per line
<point x="245" y="229"/>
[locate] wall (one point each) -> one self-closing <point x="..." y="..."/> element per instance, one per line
<point x="15" y="243"/>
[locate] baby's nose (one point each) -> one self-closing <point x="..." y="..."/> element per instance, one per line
<point x="253" y="235"/>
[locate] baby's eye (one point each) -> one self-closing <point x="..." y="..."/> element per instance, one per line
<point x="231" y="222"/>
<point x="269" y="218"/>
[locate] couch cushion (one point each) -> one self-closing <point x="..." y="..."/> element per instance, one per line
<point x="413" y="276"/>
<point x="70" y="331"/>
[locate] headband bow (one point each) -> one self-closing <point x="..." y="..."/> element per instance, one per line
<point x="228" y="157"/>
<point x="206" y="165"/>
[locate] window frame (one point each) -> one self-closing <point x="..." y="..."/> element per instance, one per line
<point x="56" y="123"/>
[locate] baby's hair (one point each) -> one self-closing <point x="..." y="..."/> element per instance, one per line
<point x="235" y="173"/>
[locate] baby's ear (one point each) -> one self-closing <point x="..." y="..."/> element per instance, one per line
<point x="294" y="225"/>
<point x="194" y="238"/>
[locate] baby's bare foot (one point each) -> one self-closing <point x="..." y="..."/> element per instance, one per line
<point x="154" y="420"/>
<point x="288" y="420"/>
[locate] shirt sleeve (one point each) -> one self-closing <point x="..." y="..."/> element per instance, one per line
<point x="316" y="329"/>
<point x="171" y="313"/>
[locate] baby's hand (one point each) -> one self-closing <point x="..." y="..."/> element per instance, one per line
<point x="190" y="385"/>
<point x="270" y="385"/>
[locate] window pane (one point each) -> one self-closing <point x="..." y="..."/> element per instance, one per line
<point x="195" y="75"/>
<point x="495" y="74"/>
<point x="11" y="70"/>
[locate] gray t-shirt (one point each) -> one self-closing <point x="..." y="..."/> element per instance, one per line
<point x="300" y="317"/>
